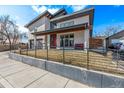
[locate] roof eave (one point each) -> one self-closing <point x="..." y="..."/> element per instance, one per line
<point x="63" y="30"/>
<point x="77" y="12"/>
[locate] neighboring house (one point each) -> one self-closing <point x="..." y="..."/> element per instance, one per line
<point x="118" y="37"/>
<point x="62" y="29"/>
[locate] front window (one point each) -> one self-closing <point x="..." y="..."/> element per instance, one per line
<point x="71" y="41"/>
<point x="67" y="40"/>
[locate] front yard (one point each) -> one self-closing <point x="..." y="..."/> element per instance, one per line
<point x="90" y="60"/>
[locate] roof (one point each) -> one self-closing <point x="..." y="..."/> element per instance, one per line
<point x="59" y="11"/>
<point x="45" y="13"/>
<point x="63" y="30"/>
<point x="38" y="17"/>
<point x="117" y="35"/>
<point x="83" y="11"/>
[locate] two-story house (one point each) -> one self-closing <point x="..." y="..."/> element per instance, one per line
<point x="61" y="29"/>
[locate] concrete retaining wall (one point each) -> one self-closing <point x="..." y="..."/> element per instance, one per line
<point x="89" y="77"/>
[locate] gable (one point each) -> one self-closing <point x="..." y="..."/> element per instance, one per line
<point x="59" y="13"/>
<point x="44" y="14"/>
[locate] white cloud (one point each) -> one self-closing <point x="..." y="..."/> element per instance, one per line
<point x="40" y="9"/>
<point x="35" y="8"/>
<point x="22" y="29"/>
<point x="52" y="10"/>
<point x="78" y="7"/>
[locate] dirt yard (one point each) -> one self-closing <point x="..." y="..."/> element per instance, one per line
<point x="90" y="60"/>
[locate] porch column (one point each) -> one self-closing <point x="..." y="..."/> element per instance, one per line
<point x="29" y="44"/>
<point x="48" y="41"/>
<point x="104" y="43"/>
<point x="86" y="39"/>
<point x="44" y="42"/>
<point x="35" y="41"/>
<point x="57" y="41"/>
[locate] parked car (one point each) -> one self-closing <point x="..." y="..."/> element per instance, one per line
<point x="122" y="47"/>
<point x="117" y="49"/>
<point x="115" y="45"/>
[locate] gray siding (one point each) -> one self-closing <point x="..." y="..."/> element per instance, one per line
<point x="79" y="20"/>
<point x="38" y="23"/>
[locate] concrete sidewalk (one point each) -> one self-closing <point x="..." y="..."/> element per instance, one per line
<point x="14" y="74"/>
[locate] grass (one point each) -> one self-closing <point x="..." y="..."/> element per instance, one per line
<point x="79" y="58"/>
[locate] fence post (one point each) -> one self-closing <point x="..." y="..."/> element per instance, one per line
<point x="14" y="48"/>
<point x="87" y="59"/>
<point x="27" y="49"/>
<point x="101" y="81"/>
<point x="47" y="51"/>
<point x="20" y="49"/>
<point x="63" y="51"/>
<point x="10" y="48"/>
<point x="117" y="58"/>
<point x="35" y="51"/>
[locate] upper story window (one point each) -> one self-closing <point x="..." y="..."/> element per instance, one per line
<point x="66" y="24"/>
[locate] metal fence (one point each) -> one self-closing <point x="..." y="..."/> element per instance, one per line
<point x="110" y="61"/>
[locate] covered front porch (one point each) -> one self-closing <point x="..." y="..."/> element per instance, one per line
<point x="74" y="37"/>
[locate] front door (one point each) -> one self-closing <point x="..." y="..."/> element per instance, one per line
<point x="53" y="41"/>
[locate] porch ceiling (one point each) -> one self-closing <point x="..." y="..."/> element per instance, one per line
<point x="63" y="30"/>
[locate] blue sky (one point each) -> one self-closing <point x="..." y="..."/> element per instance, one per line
<point x="104" y="15"/>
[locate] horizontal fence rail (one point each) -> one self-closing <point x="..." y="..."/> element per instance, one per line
<point x="110" y="60"/>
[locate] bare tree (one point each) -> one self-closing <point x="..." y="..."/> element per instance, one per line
<point x="110" y="30"/>
<point x="8" y="30"/>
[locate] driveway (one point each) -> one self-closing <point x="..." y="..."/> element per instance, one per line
<point x="14" y="74"/>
